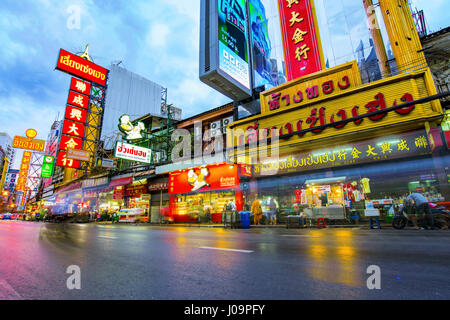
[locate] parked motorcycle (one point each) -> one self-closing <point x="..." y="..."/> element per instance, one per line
<point x="441" y="217"/>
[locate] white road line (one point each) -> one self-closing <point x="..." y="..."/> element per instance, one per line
<point x="299" y="235"/>
<point x="7" y="292"/>
<point x="226" y="249"/>
<point x="106" y="237"/>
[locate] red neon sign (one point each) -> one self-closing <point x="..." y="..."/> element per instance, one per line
<point x="70" y="142"/>
<point x="301" y="43"/>
<point x="75" y="114"/>
<point x="78" y="100"/>
<point x="80" y="86"/>
<point x="63" y="161"/>
<point x="73" y="129"/>
<point x="75" y="65"/>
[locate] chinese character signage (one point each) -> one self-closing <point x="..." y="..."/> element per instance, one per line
<point x="233" y="42"/>
<point x="78" y="100"/>
<point x="73" y="128"/>
<point x="213" y="177"/>
<point x="70" y="142"/>
<point x="77" y="66"/>
<point x="63" y="161"/>
<point x="133" y="153"/>
<point x="301" y="41"/>
<point x="368" y="151"/>
<point x="75" y="114"/>
<point x="21" y="184"/>
<point x="80" y="86"/>
<point x="47" y="166"/>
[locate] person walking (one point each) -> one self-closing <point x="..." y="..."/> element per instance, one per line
<point x="256" y="210"/>
<point x="423" y="209"/>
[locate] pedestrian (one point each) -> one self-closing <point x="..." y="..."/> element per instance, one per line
<point x="256" y="210"/>
<point x="423" y="210"/>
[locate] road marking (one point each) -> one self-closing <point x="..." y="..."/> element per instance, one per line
<point x="7" y="292"/>
<point x="299" y="235"/>
<point x="107" y="237"/>
<point x="226" y="249"/>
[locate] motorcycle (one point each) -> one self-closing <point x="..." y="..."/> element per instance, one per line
<point x="441" y="217"/>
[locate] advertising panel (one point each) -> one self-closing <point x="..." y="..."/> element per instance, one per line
<point x="80" y="155"/>
<point x="77" y="66"/>
<point x="259" y="31"/>
<point x="301" y="40"/>
<point x="233" y="42"/>
<point x="70" y="142"/>
<point x="47" y="166"/>
<point x="131" y="152"/>
<point x="212" y="177"/>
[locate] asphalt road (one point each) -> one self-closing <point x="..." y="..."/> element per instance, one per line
<point x="144" y="262"/>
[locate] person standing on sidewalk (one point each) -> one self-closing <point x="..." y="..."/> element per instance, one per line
<point x="256" y="210"/>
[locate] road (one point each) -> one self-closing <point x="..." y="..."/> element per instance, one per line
<point x="152" y="262"/>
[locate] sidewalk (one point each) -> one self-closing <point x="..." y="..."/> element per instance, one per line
<point x="221" y="225"/>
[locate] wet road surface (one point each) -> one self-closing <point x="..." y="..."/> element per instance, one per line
<point x="144" y="262"/>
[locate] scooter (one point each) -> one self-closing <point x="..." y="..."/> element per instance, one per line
<point x="441" y="217"/>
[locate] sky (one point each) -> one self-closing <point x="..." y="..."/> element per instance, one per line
<point x="157" y="39"/>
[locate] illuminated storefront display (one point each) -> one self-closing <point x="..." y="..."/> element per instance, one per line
<point x="233" y="42"/>
<point x="199" y="191"/>
<point x="301" y="41"/>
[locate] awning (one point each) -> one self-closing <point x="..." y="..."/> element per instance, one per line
<point x="69" y="188"/>
<point x="120" y="182"/>
<point x="326" y="180"/>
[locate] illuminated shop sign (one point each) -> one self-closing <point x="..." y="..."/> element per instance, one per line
<point x="21" y="184"/>
<point x="213" y="177"/>
<point x="374" y="97"/>
<point x="29" y="142"/>
<point x="78" y="100"/>
<point x="47" y="166"/>
<point x="80" y="86"/>
<point x="301" y="40"/>
<point x="77" y="66"/>
<point x="73" y="128"/>
<point x="76" y="114"/>
<point x="233" y="42"/>
<point x="368" y="151"/>
<point x="133" y="153"/>
<point x="132" y="132"/>
<point x="64" y="161"/>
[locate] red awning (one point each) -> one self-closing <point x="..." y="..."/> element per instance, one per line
<point x="120" y="182"/>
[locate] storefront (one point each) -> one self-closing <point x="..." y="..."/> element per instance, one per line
<point x="159" y="199"/>
<point x="201" y="194"/>
<point x="92" y="189"/>
<point x="338" y="152"/>
<point x="136" y="196"/>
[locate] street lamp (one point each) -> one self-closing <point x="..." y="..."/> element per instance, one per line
<point x="5" y="193"/>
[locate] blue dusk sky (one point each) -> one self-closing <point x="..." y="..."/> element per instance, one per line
<point x="158" y="39"/>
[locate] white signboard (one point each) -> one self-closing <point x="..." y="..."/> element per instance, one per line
<point x="133" y="153"/>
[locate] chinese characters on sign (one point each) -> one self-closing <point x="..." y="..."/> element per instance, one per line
<point x="80" y="86"/>
<point x="23" y="173"/>
<point x="387" y="148"/>
<point x="301" y="41"/>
